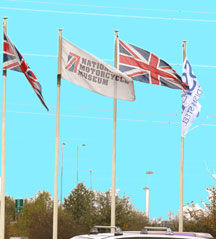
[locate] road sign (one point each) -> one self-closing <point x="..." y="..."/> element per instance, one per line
<point x="18" y="205"/>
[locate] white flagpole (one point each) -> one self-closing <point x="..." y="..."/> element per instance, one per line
<point x="113" y="193"/>
<point x="2" y="235"/>
<point x="55" y="210"/>
<point x="181" y="216"/>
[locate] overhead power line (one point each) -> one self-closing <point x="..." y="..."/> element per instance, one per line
<point x="94" y="109"/>
<point x="91" y="117"/>
<point x="201" y="66"/>
<point x="108" y="118"/>
<point x="109" y="15"/>
<point x="40" y="55"/>
<point x="114" y="7"/>
<point x="104" y="118"/>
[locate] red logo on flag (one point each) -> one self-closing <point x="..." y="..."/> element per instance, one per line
<point x="73" y="61"/>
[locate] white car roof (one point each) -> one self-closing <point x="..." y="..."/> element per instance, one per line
<point x="163" y="233"/>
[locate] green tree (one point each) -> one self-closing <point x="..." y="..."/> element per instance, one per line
<point x="103" y="208"/>
<point x="203" y="220"/>
<point x="211" y="209"/>
<point x="67" y="226"/>
<point x="9" y="214"/>
<point x="82" y="209"/>
<point x="127" y="218"/>
<point x="36" y="221"/>
<point x="81" y="204"/>
<point x="137" y="220"/>
<point x="94" y="208"/>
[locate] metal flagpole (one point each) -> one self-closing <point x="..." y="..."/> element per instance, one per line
<point x="113" y="192"/>
<point x="182" y="167"/>
<point x="55" y="211"/>
<point x="2" y="235"/>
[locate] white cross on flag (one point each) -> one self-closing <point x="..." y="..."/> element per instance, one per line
<point x="144" y="66"/>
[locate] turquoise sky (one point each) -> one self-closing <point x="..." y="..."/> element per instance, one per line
<point x="148" y="129"/>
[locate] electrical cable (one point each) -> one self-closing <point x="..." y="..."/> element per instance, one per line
<point x="110" y="15"/>
<point x="114" y="7"/>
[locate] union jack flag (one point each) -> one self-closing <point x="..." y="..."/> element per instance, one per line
<point x="13" y="60"/>
<point x="146" y="67"/>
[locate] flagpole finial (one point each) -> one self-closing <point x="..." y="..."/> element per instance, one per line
<point x="4" y="20"/>
<point x="184" y="42"/>
<point x="116" y="33"/>
<point x="184" y="49"/>
<point x="5" y="24"/>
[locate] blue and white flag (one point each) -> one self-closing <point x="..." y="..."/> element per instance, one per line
<point x="190" y="105"/>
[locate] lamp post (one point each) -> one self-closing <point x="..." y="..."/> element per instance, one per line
<point x="148" y="193"/>
<point x="90" y="171"/>
<point x="63" y="143"/>
<point x="149" y="173"/>
<point x="147" y="201"/>
<point x="78" y="162"/>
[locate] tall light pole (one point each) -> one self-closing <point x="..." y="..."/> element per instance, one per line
<point x="78" y="162"/>
<point x="90" y="171"/>
<point x="148" y="193"/>
<point x="63" y="143"/>
<point x="147" y="201"/>
<point x="149" y="173"/>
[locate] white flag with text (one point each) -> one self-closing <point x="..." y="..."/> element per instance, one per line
<point x="190" y="105"/>
<point x="85" y="70"/>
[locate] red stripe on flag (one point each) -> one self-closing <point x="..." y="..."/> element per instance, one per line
<point x="70" y="64"/>
<point x="7" y="48"/>
<point x="23" y="66"/>
<point x="154" y="71"/>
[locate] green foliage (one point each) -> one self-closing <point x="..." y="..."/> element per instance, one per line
<point x="196" y="219"/>
<point x="203" y="220"/>
<point x="81" y="204"/>
<point x="103" y="209"/>
<point x="81" y="210"/>
<point x="94" y="208"/>
<point x="67" y="226"/>
<point x="36" y="221"/>
<point x="135" y="221"/>
<point x="84" y="208"/>
<point x="9" y="212"/>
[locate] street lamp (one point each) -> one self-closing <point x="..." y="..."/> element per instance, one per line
<point x="78" y="160"/>
<point x="148" y="193"/>
<point x="90" y="171"/>
<point x="147" y="201"/>
<point x="149" y="173"/>
<point x="63" y="143"/>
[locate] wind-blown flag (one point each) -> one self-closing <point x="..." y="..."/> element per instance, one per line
<point x="13" y="60"/>
<point x="144" y="66"/>
<point x="190" y="105"/>
<point x="85" y="70"/>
